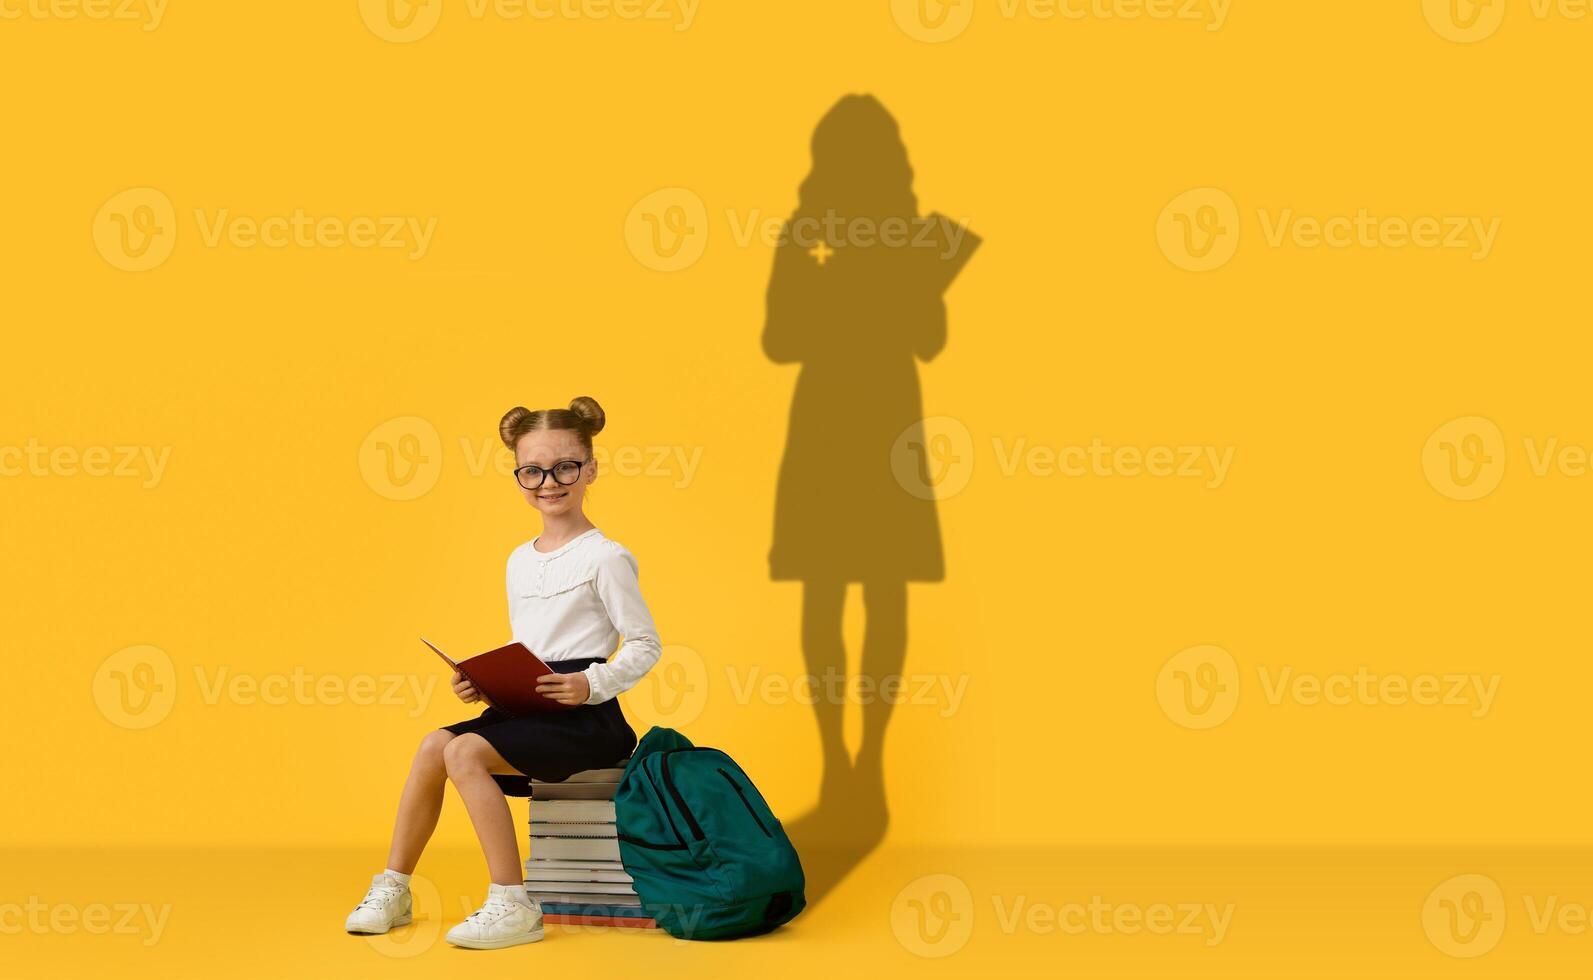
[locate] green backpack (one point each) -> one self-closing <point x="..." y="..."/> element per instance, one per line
<point x="709" y="859"/>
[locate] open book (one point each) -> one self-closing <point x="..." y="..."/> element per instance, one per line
<point x="506" y="678"/>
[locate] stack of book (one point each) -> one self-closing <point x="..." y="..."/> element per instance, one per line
<point x="574" y="869"/>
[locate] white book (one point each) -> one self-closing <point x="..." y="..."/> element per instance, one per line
<point x="572" y="829"/>
<point x="576" y="848"/>
<point x="569" y="898"/>
<point x="538" y="871"/>
<point x="603" y="890"/>
<point x="572" y="811"/>
<point x="574" y="864"/>
<point x="589" y="776"/>
<point x="573" y="791"/>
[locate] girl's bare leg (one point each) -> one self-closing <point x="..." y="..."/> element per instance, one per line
<point x="471" y="762"/>
<point x="421" y="802"/>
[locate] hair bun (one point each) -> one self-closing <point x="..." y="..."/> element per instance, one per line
<point x="590" y="411"/>
<point x="508" y="429"/>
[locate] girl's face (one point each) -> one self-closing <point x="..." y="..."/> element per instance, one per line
<point x="547" y="448"/>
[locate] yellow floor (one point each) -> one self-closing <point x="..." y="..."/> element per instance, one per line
<point x="1362" y="913"/>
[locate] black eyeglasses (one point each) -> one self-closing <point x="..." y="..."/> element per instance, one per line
<point x="565" y="472"/>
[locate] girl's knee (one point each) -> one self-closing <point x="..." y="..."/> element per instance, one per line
<point x="463" y="754"/>
<point x="432" y="747"/>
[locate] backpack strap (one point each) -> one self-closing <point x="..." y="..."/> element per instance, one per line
<point x="656" y="740"/>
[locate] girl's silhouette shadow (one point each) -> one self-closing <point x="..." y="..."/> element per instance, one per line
<point x="855" y="297"/>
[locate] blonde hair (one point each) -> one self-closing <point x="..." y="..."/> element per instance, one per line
<point x="584" y="417"/>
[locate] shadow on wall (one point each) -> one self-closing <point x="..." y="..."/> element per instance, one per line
<point x="856" y="299"/>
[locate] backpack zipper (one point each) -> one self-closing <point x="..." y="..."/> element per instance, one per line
<point x="743" y="796"/>
<point x="680" y="802"/>
<point x="652" y="785"/>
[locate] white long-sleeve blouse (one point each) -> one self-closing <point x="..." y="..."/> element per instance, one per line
<point x="577" y="601"/>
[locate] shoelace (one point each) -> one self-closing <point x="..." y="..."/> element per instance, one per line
<point x="377" y="898"/>
<point x="495" y="909"/>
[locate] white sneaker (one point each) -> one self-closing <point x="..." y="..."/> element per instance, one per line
<point x="501" y="922"/>
<point x="386" y="905"/>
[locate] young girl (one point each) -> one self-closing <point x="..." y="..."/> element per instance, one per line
<point x="572" y="594"/>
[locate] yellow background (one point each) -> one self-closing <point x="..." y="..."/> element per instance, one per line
<point x="265" y="546"/>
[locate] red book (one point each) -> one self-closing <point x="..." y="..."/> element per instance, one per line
<point x="506" y="678"/>
<point x="615" y="921"/>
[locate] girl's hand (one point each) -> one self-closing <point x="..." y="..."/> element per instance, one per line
<point x="565" y="688"/>
<point x="464" y="689"/>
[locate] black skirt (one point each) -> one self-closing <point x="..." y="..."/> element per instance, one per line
<point x="554" y="745"/>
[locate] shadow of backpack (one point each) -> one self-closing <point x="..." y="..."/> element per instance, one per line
<point x="709" y="859"/>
